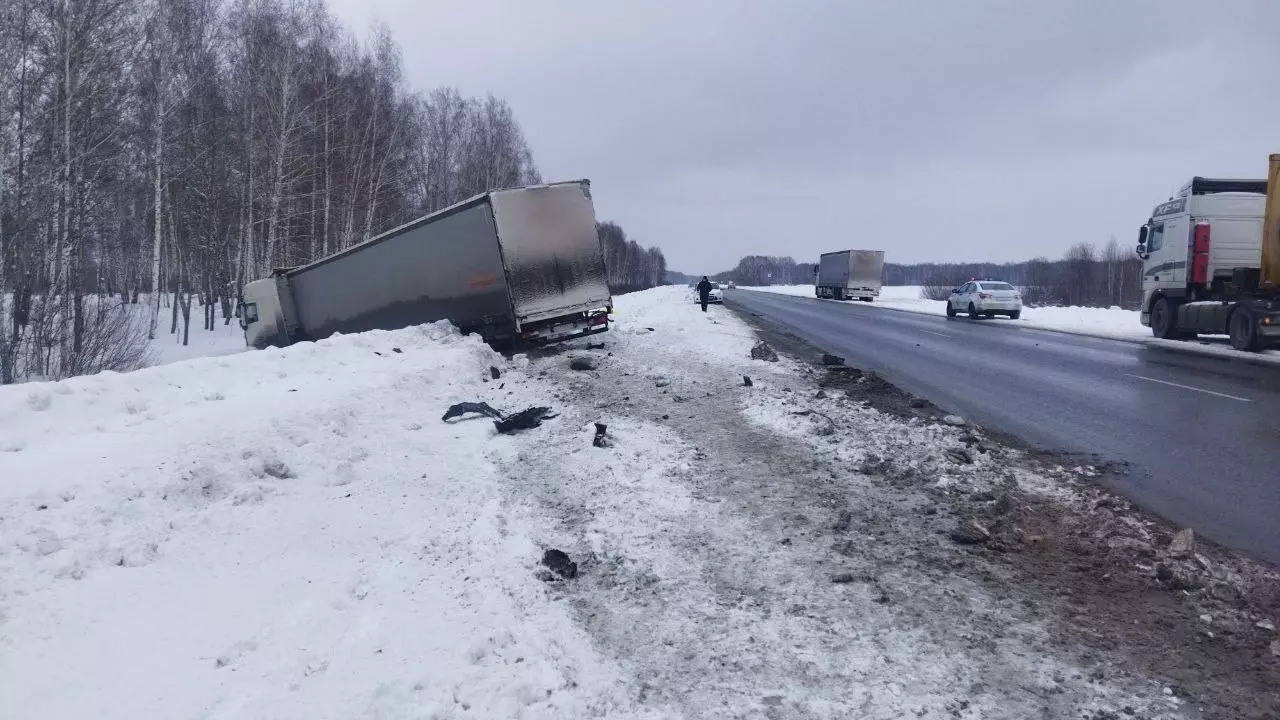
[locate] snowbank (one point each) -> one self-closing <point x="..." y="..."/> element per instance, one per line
<point x="284" y="533"/>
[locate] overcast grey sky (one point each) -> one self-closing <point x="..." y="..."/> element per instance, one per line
<point x="942" y="130"/>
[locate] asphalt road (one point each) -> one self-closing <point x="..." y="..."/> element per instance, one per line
<point x="1201" y="434"/>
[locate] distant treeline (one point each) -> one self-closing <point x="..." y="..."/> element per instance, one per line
<point x="629" y="266"/>
<point x="1084" y="276"/>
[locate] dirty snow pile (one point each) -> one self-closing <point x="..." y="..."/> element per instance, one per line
<point x="284" y="533"/>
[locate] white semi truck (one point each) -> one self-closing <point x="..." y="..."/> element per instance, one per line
<point x="1211" y="261"/>
<point x="516" y="266"/>
<point x="848" y="274"/>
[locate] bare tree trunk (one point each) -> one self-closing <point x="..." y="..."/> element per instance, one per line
<point x="157" y="196"/>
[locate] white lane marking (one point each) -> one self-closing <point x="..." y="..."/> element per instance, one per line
<point x="1188" y="387"/>
<point x="936" y="333"/>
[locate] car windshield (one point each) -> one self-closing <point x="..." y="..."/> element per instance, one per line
<point x="996" y="286"/>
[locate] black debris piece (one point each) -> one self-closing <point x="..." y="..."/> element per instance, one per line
<point x="524" y="420"/>
<point x="559" y="563"/>
<point x="601" y="440"/>
<point x="746" y="381"/>
<point x="581" y="363"/>
<point x="828" y="359"/>
<point x="919" y="403"/>
<point x="375" y="352"/>
<point x="762" y="351"/>
<point x="595" y="346"/>
<point x="469" y="408"/>
<point x="494" y="372"/>
<point x="650" y="329"/>
<point x="396" y="350"/>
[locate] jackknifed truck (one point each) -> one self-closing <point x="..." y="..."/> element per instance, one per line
<point x="517" y="266"/>
<point x="1211" y="261"/>
<point x="850" y="274"/>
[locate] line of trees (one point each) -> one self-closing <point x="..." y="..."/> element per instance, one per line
<point x="178" y="148"/>
<point x="757" y="270"/>
<point x="630" y="267"/>
<point x="1085" y="276"/>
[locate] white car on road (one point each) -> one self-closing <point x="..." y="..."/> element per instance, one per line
<point x="985" y="298"/>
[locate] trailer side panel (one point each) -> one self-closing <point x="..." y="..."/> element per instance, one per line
<point x="449" y="267"/>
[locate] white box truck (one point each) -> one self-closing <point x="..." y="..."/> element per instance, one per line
<point x="850" y="274"/>
<point x="517" y="266"/>
<point x="1211" y="261"/>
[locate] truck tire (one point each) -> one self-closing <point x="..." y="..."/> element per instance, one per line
<point x="1164" y="318"/>
<point x="1015" y="314"/>
<point x="1243" y="329"/>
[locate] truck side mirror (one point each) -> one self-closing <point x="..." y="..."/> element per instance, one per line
<point x="1142" y="236"/>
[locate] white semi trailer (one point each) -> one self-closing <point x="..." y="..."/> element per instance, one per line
<point x="848" y="274"/>
<point x="517" y="266"/>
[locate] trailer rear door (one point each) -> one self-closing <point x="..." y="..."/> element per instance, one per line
<point x="551" y="250"/>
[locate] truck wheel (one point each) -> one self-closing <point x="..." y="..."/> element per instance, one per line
<point x="973" y="312"/>
<point x="1244" y="331"/>
<point x="1164" y="319"/>
<point x="1015" y="314"/>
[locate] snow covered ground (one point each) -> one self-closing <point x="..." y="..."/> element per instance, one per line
<point x="296" y="534"/>
<point x="1114" y="322"/>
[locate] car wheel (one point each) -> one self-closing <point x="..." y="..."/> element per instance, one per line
<point x="988" y="315"/>
<point x="951" y="309"/>
<point x="1015" y="314"/>
<point x="1164" y="318"/>
<point x="973" y="311"/>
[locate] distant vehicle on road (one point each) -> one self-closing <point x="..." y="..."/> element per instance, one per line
<point x="715" y="296"/>
<point x="849" y="274"/>
<point x="522" y="265"/>
<point x="985" y="298"/>
<point x="732" y="285"/>
<point x="1211" y="261"/>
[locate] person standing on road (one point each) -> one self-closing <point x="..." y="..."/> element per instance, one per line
<point x="704" y="291"/>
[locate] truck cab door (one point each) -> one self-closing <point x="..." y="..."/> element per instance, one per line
<point x="1177" y="238"/>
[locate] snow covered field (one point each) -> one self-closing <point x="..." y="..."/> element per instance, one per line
<point x="1112" y="322"/>
<point x="296" y="534"/>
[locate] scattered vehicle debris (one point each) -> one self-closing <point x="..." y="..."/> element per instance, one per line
<point x="746" y="381"/>
<point x="469" y="408"/>
<point x="829" y="360"/>
<point x="595" y="346"/>
<point x="581" y="363"/>
<point x="960" y="456"/>
<point x="396" y="350"/>
<point x="762" y="351"/>
<point x="524" y="420"/>
<point x="558" y="562"/>
<point x="601" y="439"/>
<point x="970" y="533"/>
<point x="661" y="382"/>
<point x="494" y="372"/>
